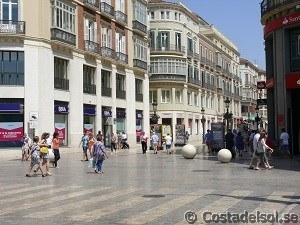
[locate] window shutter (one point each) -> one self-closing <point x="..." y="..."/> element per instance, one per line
<point x="95" y="33"/>
<point x="168" y="39"/>
<point x="117" y="42"/>
<point x="87" y="29"/>
<point x="159" y="39"/>
<point x="152" y="39"/>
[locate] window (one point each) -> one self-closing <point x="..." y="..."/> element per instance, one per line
<point x="190" y="44"/>
<point x="178" y="40"/>
<point x="9" y="10"/>
<point x="60" y="68"/>
<point x="120" y="82"/>
<point x="138" y="86"/>
<point x="63" y="16"/>
<point x="197" y="126"/>
<point x="140" y="12"/>
<point x="295" y="50"/>
<point x="189" y="98"/>
<point x="196" y="99"/>
<point x="176" y="16"/>
<point x="120" y="42"/>
<point x="163" y="39"/>
<point x="168" y="15"/>
<point x="168" y="66"/>
<point x="207" y="102"/>
<point x="165" y="96"/>
<point x="178" y="95"/>
<point x="162" y="15"/>
<point x="90" y="30"/>
<point x="152" y="15"/>
<point x="105" y="78"/>
<point x="11" y="68"/>
<point x="152" y="96"/>
<point x="202" y="101"/>
<point x="106" y="37"/>
<point x="88" y="74"/>
<point x="140" y="49"/>
<point x="120" y="6"/>
<point x="218" y="105"/>
<point x="212" y="103"/>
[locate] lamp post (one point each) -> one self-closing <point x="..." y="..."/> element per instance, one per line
<point x="227" y="115"/>
<point x="154" y="118"/>
<point x="203" y="120"/>
<point x="257" y="118"/>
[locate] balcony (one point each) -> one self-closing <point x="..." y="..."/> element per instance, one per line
<point x="89" y="89"/>
<point x="92" y="47"/>
<point x="139" y="97"/>
<point x="106" y="91"/>
<point x="190" y="53"/>
<point x="168" y="48"/>
<point x="269" y="5"/>
<point x="168" y="77"/>
<point x="108" y="52"/>
<point x="228" y="93"/>
<point x="12" y="27"/>
<point x="137" y="26"/>
<point x="61" y="83"/>
<point x="92" y="3"/>
<point x="121" y="17"/>
<point x="107" y="9"/>
<point x="140" y="64"/>
<point x="63" y="36"/>
<point x="121" y="94"/>
<point x="196" y="56"/>
<point x="12" y="79"/>
<point x="123" y="58"/>
<point x="194" y="81"/>
<point x="209" y="86"/>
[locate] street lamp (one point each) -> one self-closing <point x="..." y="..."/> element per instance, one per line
<point x="203" y="120"/>
<point x="154" y="118"/>
<point x="257" y="118"/>
<point x="227" y="115"/>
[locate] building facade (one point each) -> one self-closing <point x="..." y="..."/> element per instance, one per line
<point x="71" y="66"/>
<point x="282" y="48"/>
<point x="193" y="68"/>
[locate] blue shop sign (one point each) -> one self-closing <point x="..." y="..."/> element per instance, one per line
<point x="59" y="109"/>
<point x="10" y="107"/>
<point x="89" y="111"/>
<point x="106" y="113"/>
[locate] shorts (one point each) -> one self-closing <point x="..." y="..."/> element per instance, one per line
<point x="45" y="156"/>
<point x="35" y="160"/>
<point x="284" y="148"/>
<point x="168" y="146"/>
<point x="155" y="144"/>
<point x="84" y="149"/>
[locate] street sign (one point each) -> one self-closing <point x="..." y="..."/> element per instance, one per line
<point x="33" y="116"/>
<point x="261" y="101"/>
<point x="33" y="124"/>
<point x="261" y="85"/>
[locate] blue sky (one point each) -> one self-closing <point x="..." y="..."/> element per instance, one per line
<point x="239" y="20"/>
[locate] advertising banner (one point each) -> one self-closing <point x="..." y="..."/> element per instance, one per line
<point x="11" y="131"/>
<point x="217" y="130"/>
<point x="60" y="128"/>
<point x="180" y="135"/>
<point x="88" y="127"/>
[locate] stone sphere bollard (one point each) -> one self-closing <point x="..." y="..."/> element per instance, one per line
<point x="188" y="151"/>
<point x="224" y="155"/>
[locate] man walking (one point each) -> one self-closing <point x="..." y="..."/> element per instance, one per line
<point x="155" y="140"/>
<point x="284" y="143"/>
<point x="168" y="140"/>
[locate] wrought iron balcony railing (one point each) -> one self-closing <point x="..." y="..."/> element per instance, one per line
<point x="168" y="48"/>
<point x="140" y="64"/>
<point x="269" y="5"/>
<point x="122" y="57"/>
<point x="194" y="81"/>
<point x="12" y="27"/>
<point x="107" y="8"/>
<point x="168" y="77"/>
<point x="61" y="83"/>
<point x="89" y="89"/>
<point x="121" y="94"/>
<point x="106" y="91"/>
<point x="108" y="52"/>
<point x="92" y="47"/>
<point x="12" y="79"/>
<point x="121" y="17"/>
<point x="93" y="3"/>
<point x="63" y="36"/>
<point x="136" y="25"/>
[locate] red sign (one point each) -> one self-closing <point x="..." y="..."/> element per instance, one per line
<point x="88" y="127"/>
<point x="292" y="81"/>
<point x="280" y="120"/>
<point x="261" y="84"/>
<point x="282" y="22"/>
<point x="270" y="83"/>
<point x="60" y="128"/>
<point x="11" y="131"/>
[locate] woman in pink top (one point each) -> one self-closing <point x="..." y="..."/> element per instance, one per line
<point x="55" y="146"/>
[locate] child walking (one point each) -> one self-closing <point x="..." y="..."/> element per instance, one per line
<point x="99" y="154"/>
<point x="55" y="145"/>
<point x="35" y="157"/>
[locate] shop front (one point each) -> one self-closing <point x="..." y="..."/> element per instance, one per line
<point x="107" y="125"/>
<point x="61" y="116"/>
<point x="120" y="120"/>
<point x="89" y="114"/>
<point x="139" y="124"/>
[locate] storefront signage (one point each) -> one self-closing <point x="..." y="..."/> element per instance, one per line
<point x="11" y="131"/>
<point x="139" y="115"/>
<point x="10" y="107"/>
<point x="59" y="109"/>
<point x="280" y="120"/>
<point x="270" y="83"/>
<point x="60" y="128"/>
<point x="282" y="22"/>
<point x="261" y="101"/>
<point x="106" y="113"/>
<point x="292" y="81"/>
<point x="88" y="128"/>
<point x="261" y="85"/>
<point x="89" y="111"/>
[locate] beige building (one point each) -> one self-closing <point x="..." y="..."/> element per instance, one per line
<point x="193" y="67"/>
<point x="73" y="65"/>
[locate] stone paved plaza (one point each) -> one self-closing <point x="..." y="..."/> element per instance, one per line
<point x="144" y="189"/>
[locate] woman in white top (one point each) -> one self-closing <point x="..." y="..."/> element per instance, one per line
<point x="261" y="150"/>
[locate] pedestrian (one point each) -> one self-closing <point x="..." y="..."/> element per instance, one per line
<point x="119" y="136"/>
<point x="284" y="143"/>
<point x="35" y="157"/>
<point x="44" y="150"/>
<point x="84" y="141"/>
<point x="144" y="140"/>
<point x="271" y="143"/>
<point x="25" y="140"/>
<point x="261" y="149"/>
<point x="208" y="139"/>
<point x="239" y="143"/>
<point x="186" y="136"/>
<point x="168" y="141"/>
<point x="113" y="143"/>
<point x="99" y="154"/>
<point x="251" y="137"/>
<point x="91" y="143"/>
<point x="254" y="147"/>
<point x="124" y="141"/>
<point x="229" y="139"/>
<point x="155" y="140"/>
<point x="55" y="146"/>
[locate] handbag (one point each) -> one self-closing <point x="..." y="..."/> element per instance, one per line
<point x="44" y="150"/>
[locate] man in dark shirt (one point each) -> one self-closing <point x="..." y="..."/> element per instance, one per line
<point x="229" y="139"/>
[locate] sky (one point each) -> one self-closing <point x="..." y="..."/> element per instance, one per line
<point x="239" y="20"/>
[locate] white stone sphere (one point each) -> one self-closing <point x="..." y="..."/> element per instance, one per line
<point x="188" y="151"/>
<point x="224" y="155"/>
